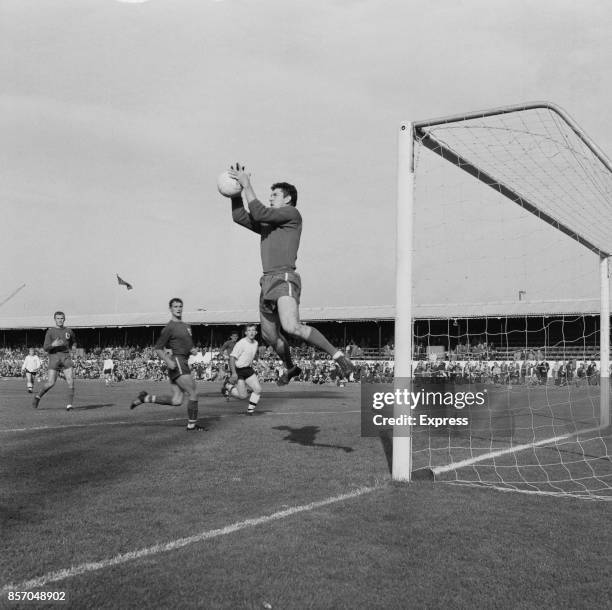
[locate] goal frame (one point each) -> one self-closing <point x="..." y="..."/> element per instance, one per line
<point x="409" y="132"/>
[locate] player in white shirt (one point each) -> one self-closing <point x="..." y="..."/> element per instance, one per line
<point x="243" y="377"/>
<point x="30" y="368"/>
<point x="107" y="369"/>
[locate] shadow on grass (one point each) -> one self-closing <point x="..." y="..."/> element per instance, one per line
<point x="386" y="440"/>
<point x="306" y="436"/>
<point x="205" y="421"/>
<point x="211" y="394"/>
<point x="208" y="421"/>
<point x="12" y="514"/>
<point x="42" y="475"/>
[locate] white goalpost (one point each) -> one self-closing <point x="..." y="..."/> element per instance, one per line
<point x="556" y="430"/>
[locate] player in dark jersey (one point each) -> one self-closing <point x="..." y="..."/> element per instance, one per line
<point x="176" y="336"/>
<point x="58" y="343"/>
<point x="280" y="227"/>
<point x="224" y="352"/>
<point x="226" y="349"/>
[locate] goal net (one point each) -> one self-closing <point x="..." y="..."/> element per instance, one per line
<point x="504" y="235"/>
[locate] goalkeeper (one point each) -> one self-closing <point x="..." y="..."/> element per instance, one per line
<point x="280" y="227"/>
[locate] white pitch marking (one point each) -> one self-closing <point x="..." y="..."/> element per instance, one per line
<point x="149" y="421"/>
<point x="511" y="449"/>
<point x="90" y="425"/>
<point x="84" y="568"/>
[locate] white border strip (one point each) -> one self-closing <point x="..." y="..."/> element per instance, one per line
<point x="84" y="568"/>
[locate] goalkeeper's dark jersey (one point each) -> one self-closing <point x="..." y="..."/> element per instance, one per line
<point x="280" y="230"/>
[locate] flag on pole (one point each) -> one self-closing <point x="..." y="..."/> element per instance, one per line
<point x="122" y="282"/>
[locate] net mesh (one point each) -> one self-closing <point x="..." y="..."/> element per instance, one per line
<point x="506" y="299"/>
<point x="542" y="160"/>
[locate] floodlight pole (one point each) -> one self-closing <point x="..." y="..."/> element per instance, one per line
<point x="604" y="343"/>
<point x="402" y="442"/>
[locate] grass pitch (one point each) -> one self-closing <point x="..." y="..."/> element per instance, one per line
<point x="290" y="508"/>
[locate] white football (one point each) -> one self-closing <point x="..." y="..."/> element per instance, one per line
<point x="227" y="185"/>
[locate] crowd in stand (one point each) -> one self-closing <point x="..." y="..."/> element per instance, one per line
<point x="517" y="372"/>
<point x="142" y="363"/>
<point x="463" y="364"/>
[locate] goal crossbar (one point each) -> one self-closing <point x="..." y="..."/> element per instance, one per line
<point x="419" y="126"/>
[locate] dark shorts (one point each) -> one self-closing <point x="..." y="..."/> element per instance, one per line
<point x="244" y="372"/>
<point x="274" y="286"/>
<point x="182" y="368"/>
<point x="108" y="371"/>
<point x="33" y="373"/>
<point x="59" y="361"/>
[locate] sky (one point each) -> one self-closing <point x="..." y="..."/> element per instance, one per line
<point x="116" y="118"/>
